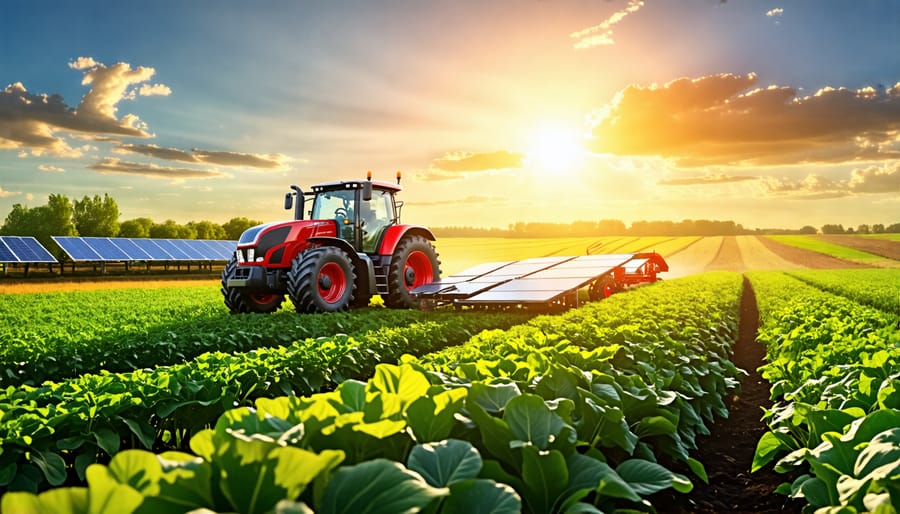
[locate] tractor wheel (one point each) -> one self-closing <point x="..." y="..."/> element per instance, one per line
<point x="321" y="280"/>
<point x="602" y="288"/>
<point x="239" y="302"/>
<point x="414" y="263"/>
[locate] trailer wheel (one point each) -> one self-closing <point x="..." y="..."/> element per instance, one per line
<point x="321" y="280"/>
<point x="602" y="288"/>
<point x="240" y="302"/>
<point x="414" y="263"/>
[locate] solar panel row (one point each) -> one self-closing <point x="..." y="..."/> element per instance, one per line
<point x="93" y="249"/>
<point x="23" y="249"/>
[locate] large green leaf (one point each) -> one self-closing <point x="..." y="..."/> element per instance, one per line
<point x="432" y="418"/>
<point x="445" y="463"/>
<point x="378" y="486"/>
<point x="493" y="397"/>
<point x="647" y="477"/>
<point x="532" y="422"/>
<point x="52" y="466"/>
<point x="404" y="381"/>
<point x="767" y="448"/>
<point x="545" y="475"/>
<point x="107" y="496"/>
<point x="482" y="497"/>
<point x="495" y="435"/>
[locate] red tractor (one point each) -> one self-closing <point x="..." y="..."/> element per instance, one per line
<point x="352" y="247"/>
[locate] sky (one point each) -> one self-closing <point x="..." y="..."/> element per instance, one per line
<point x="768" y="113"/>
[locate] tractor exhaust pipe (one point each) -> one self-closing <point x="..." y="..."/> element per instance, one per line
<point x="289" y="201"/>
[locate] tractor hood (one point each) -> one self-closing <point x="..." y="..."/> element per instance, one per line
<point x="277" y="243"/>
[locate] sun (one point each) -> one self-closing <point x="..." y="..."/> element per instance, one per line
<point x="555" y="148"/>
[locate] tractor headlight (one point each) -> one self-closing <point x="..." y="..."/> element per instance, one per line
<point x="250" y="254"/>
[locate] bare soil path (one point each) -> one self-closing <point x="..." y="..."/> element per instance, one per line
<point x="807" y="258"/>
<point x="727" y="452"/>
<point x="882" y="247"/>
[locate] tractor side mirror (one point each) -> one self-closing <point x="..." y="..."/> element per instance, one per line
<point x="288" y="201"/>
<point x="367" y="191"/>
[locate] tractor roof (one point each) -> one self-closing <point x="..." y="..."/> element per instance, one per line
<point x="355" y="184"/>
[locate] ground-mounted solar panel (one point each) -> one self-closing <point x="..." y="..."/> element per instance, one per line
<point x="227" y="248"/>
<point x="6" y="254"/>
<point x="106" y="249"/>
<point x="133" y="251"/>
<point x="150" y="247"/>
<point x="76" y="248"/>
<point x="192" y="253"/>
<point x="170" y="248"/>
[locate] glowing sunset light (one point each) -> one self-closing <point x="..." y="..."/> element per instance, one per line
<point x="555" y="148"/>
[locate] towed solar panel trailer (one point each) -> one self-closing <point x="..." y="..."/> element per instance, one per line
<point x="543" y="283"/>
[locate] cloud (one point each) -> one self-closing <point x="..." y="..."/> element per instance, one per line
<point x="112" y="165"/>
<point x="464" y="161"/>
<point x="7" y="194"/>
<point x="601" y="34"/>
<point x="39" y="123"/>
<point x="705" y="180"/>
<point x="196" y="155"/>
<point x="778" y="11"/>
<point x="719" y="119"/>
<point x="469" y="200"/>
<point x="54" y="169"/>
<point x="883" y="179"/>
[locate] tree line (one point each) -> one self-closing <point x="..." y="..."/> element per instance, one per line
<point x="649" y="228"/>
<point x="99" y="217"/>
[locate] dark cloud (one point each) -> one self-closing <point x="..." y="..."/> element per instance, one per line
<point x="236" y="159"/>
<point x="719" y="119"/>
<point x="111" y="165"/>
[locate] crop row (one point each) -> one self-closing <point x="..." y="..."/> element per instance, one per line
<point x="834" y="366"/>
<point x="86" y="332"/>
<point x="519" y="420"/>
<point x="879" y="288"/>
<point x="53" y="432"/>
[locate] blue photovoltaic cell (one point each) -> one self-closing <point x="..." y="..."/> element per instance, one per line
<point x="106" y="249"/>
<point x="188" y="250"/>
<point x="76" y="248"/>
<point x="152" y="249"/>
<point x="227" y="248"/>
<point x="134" y="252"/>
<point x="203" y="248"/>
<point x="6" y="254"/>
<point x="171" y="249"/>
<point x="28" y="249"/>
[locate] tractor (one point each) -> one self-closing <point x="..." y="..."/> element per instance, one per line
<point x="352" y="247"/>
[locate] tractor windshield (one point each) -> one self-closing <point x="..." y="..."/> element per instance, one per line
<point x="336" y="205"/>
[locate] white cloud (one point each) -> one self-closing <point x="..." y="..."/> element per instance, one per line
<point x="601" y="34"/>
<point x="55" y="169"/>
<point x="154" y="90"/>
<point x="112" y="165"/>
<point x="7" y="194"/>
<point x="778" y="11"/>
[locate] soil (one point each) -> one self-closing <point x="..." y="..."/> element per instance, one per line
<point x="728" y="451"/>
<point x="807" y="258"/>
<point x="882" y="247"/>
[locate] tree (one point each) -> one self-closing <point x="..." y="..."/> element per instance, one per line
<point x="878" y="228"/>
<point x="236" y="226"/>
<point x="138" y="227"/>
<point x="808" y="229"/>
<point x="165" y="230"/>
<point x="207" y="230"/>
<point x="53" y="219"/>
<point x="832" y="229"/>
<point x="96" y="217"/>
<point x="864" y="229"/>
<point x="186" y="232"/>
<point x="893" y="228"/>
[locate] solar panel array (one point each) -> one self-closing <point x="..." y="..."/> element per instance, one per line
<point x="120" y="249"/>
<point x="23" y="249"/>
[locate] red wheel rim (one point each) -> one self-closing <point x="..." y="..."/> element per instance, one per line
<point x="332" y="282"/>
<point x="607" y="291"/>
<point x="418" y="270"/>
<point x="263" y="298"/>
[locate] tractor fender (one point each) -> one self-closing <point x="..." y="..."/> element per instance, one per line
<point x="362" y="264"/>
<point x="395" y="233"/>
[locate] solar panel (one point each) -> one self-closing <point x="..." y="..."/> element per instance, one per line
<point x="106" y="249"/>
<point x="23" y="249"/>
<point x="152" y="249"/>
<point x="227" y="248"/>
<point x="188" y="250"/>
<point x="76" y="248"/>
<point x="204" y="248"/>
<point x="134" y="252"/>
<point x="170" y="248"/>
<point x="6" y="254"/>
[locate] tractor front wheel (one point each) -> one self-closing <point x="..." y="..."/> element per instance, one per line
<point x="414" y="263"/>
<point x="240" y="302"/>
<point x="321" y="280"/>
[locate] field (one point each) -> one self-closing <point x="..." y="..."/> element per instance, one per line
<point x="664" y="397"/>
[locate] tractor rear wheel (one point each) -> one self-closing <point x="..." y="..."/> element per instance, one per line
<point x="321" y="280"/>
<point x="239" y="301"/>
<point x="414" y="263"/>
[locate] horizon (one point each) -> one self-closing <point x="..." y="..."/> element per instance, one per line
<point x="767" y="114"/>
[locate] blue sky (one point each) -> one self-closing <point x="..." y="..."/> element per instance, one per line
<point x="765" y="113"/>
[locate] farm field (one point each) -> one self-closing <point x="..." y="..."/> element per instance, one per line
<point x="653" y="392"/>
<point x="846" y="248"/>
